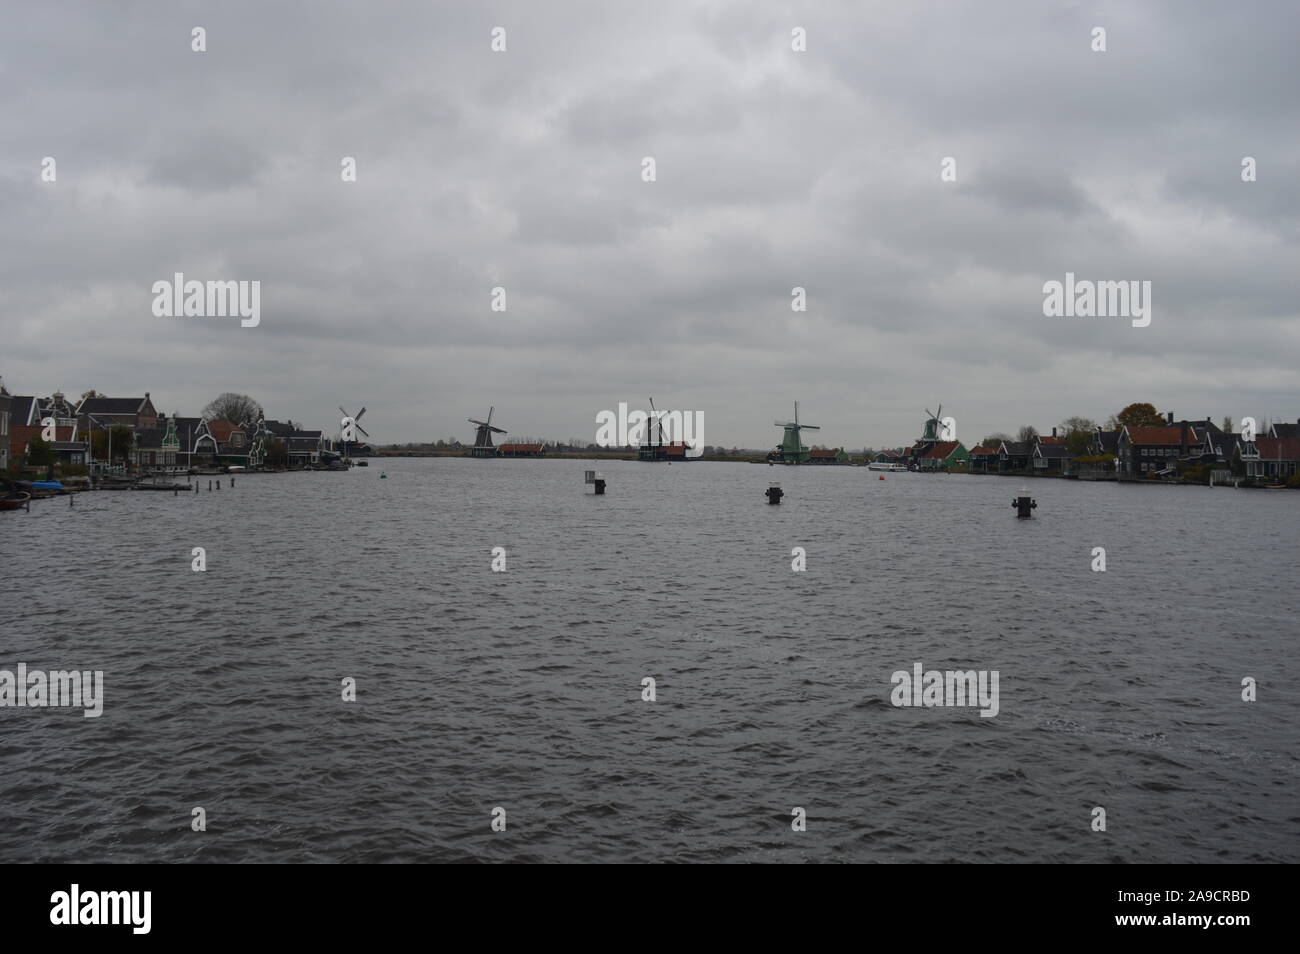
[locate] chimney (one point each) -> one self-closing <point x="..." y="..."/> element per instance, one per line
<point x="1171" y="417"/>
<point x="1053" y="432"/>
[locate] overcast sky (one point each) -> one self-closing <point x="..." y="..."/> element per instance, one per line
<point x="774" y="168"/>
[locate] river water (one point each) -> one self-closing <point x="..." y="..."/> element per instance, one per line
<point x="522" y="689"/>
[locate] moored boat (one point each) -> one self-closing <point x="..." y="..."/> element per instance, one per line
<point x="14" y="501"/>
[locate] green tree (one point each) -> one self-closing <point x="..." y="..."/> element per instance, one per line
<point x="1140" y="415"/>
<point x="277" y="455"/>
<point x="996" y="440"/>
<point x="41" y="454"/>
<point x="1078" y="434"/>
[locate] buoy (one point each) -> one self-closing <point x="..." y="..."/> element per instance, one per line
<point x="1023" y="504"/>
<point x="774" y="493"/>
<point x="383" y="476"/>
<point x="882" y="476"/>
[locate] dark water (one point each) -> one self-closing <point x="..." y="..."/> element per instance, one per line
<point x="522" y="689"/>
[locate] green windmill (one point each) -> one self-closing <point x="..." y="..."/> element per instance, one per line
<point x="792" y="450"/>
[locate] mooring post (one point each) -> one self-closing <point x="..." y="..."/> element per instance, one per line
<point x="1023" y="504"/>
<point x="209" y="485"/>
<point x="774" y="493"/>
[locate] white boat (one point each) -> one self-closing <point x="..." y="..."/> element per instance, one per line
<point x="892" y="468"/>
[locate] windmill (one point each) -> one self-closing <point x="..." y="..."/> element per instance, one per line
<point x="792" y="450"/>
<point x="933" y="422"/>
<point x="349" y="428"/>
<point x="483" y="446"/>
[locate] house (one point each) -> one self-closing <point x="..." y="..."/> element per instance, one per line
<point x="520" y="450"/>
<point x="1014" y="456"/>
<point x="983" y="460"/>
<point x="1285" y="430"/>
<point x="159" y="447"/>
<point x="5" y="400"/>
<point x="1048" y="457"/>
<point x="1103" y="442"/>
<point x="1271" y="457"/>
<point x="890" y="457"/>
<point x="939" y="455"/>
<point x="825" y="455"/>
<point x="305" y="448"/>
<point x="65" y="444"/>
<point x="1144" y="451"/>
<point x="135" y="413"/>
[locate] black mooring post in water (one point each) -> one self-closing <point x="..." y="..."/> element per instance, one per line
<point x="218" y="485"/>
<point x="209" y="485"/>
<point x="596" y="480"/>
<point x="71" y="499"/>
<point x="775" y="493"/>
<point x="1023" y="504"/>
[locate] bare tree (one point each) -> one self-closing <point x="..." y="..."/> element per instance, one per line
<point x="235" y="408"/>
<point x="1027" y="434"/>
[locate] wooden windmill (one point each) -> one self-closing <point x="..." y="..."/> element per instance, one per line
<point x="483" y="446"/>
<point x="792" y="450"/>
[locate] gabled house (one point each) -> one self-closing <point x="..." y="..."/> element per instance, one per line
<point x="1048" y="457"/>
<point x="159" y="447"/>
<point x="1285" y="430"/>
<point x="1271" y="457"/>
<point x="1147" y="451"/>
<point x="828" y="455"/>
<point x="939" y="455"/>
<point x="1014" y="456"/>
<point x="5" y="400"/>
<point x="1103" y="442"/>
<point x="135" y="413"/>
<point x="520" y="450"/>
<point x="67" y="448"/>
<point x="983" y="460"/>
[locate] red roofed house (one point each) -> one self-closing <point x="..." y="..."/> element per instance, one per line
<point x="1147" y="451"/>
<point x="938" y="455"/>
<point x="827" y="455"/>
<point x="1275" y="457"/>
<point x="520" y="450"/>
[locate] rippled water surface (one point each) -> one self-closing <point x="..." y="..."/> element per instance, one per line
<point x="522" y="689"/>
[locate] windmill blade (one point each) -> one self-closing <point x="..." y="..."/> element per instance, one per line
<point x="360" y="413"/>
<point x="498" y="430"/>
<point x="344" y="413"/>
<point x="783" y="424"/>
<point x="479" y="423"/>
<point x="360" y="429"/>
<point x="809" y="427"/>
<point x="490" y="410"/>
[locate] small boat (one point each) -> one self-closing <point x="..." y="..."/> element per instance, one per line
<point x="15" y="501"/>
<point x="891" y="468"/>
<point x="363" y="463"/>
<point x="47" y="485"/>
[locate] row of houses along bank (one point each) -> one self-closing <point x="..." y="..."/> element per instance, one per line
<point x="160" y="442"/>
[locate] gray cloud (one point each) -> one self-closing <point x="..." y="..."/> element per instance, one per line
<point x="775" y="169"/>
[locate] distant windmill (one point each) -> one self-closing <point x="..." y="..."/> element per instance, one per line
<point x="792" y="449"/>
<point x="349" y="428"/>
<point x="483" y="446"/>
<point x="933" y="423"/>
